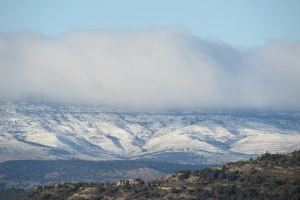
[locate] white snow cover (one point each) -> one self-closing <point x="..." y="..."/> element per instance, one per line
<point x="259" y="141"/>
<point x="46" y="131"/>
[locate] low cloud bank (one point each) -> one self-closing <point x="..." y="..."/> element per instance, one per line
<point x="148" y="69"/>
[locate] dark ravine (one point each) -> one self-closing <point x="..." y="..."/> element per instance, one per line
<point x="271" y="176"/>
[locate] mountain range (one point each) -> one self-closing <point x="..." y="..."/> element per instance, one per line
<point x="49" y="131"/>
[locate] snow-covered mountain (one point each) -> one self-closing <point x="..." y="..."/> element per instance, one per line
<point x="53" y="131"/>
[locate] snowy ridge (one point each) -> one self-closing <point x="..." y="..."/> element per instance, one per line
<point x="51" y="131"/>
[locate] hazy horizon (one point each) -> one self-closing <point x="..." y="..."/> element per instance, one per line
<point x="159" y="68"/>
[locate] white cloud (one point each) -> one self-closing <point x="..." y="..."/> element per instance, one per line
<point x="149" y="69"/>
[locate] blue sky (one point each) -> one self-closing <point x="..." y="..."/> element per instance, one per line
<point x="238" y="22"/>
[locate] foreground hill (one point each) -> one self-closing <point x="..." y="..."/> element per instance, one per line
<point x="40" y="131"/>
<point x="271" y="176"/>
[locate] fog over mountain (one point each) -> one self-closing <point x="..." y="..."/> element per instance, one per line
<point x="158" y="68"/>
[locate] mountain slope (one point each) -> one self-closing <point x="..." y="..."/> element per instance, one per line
<point x="53" y="131"/>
